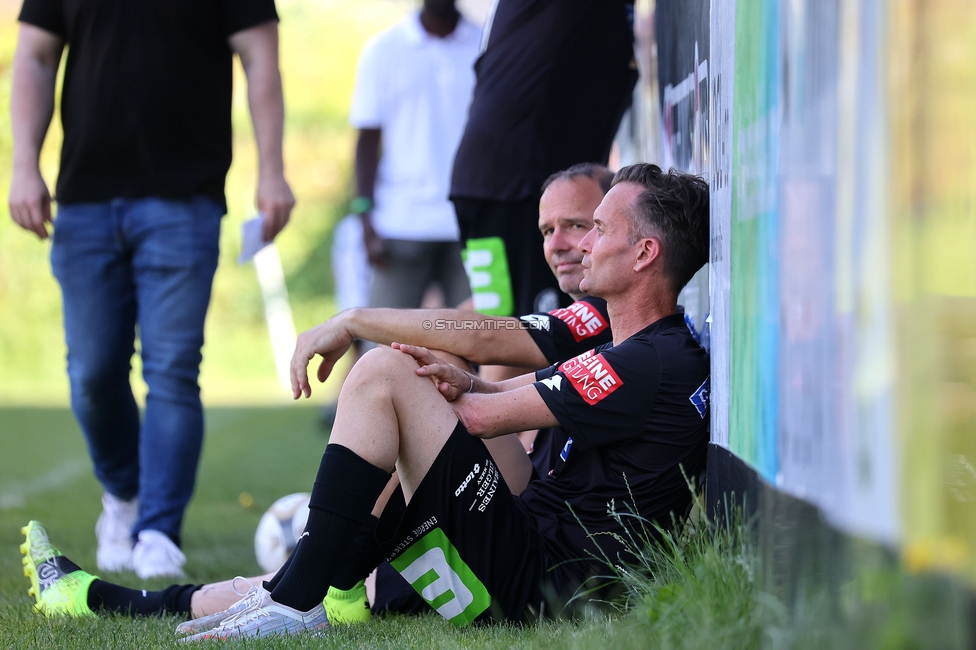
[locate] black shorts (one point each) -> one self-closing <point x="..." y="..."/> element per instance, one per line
<point x="464" y="542"/>
<point x="514" y="278"/>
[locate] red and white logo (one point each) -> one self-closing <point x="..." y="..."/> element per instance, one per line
<point x="582" y="318"/>
<point x="591" y="376"/>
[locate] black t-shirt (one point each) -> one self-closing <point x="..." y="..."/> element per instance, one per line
<point x="636" y="414"/>
<point x="568" y="331"/>
<point x="147" y="94"/>
<point x="561" y="334"/>
<point x="552" y="85"/>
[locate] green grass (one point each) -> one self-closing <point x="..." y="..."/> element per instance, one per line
<point x="46" y="475"/>
<point x="698" y="590"/>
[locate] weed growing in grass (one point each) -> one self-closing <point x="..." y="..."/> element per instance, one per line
<point x="694" y="585"/>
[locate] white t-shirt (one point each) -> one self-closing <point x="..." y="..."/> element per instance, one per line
<point x="350" y="264"/>
<point x="415" y="88"/>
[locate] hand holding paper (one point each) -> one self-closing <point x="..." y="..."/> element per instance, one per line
<point x="252" y="238"/>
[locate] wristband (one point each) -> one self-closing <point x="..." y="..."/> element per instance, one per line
<point x="361" y="205"/>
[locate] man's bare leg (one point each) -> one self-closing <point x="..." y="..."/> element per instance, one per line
<point x="391" y="417"/>
<point x="218" y="596"/>
<point x="508" y="453"/>
<point x="388" y="417"/>
<point x="511" y="451"/>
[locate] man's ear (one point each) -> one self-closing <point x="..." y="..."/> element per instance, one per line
<point x="649" y="249"/>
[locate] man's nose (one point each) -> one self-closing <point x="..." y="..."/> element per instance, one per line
<point x="558" y="241"/>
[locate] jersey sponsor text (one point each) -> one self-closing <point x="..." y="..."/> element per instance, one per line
<point x="435" y="569"/>
<point x="467" y="479"/>
<point x="582" y="319"/>
<point x="591" y="376"/>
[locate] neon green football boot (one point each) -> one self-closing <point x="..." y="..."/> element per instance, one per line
<point x="58" y="586"/>
<point x="347" y="607"/>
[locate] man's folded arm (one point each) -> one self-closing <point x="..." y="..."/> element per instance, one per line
<point x="487" y="415"/>
<point x="478" y="338"/>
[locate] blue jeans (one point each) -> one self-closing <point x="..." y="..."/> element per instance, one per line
<point x="146" y="264"/>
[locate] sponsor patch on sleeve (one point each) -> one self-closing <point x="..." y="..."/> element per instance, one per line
<point x="564" y="454"/>
<point x="582" y="318"/>
<point x="699" y="398"/>
<point x="591" y="376"/>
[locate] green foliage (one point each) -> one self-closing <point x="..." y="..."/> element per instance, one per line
<point x="695" y="586"/>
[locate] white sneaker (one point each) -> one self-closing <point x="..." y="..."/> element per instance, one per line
<point x="114" y="533"/>
<point x="156" y="555"/>
<point x="251" y="598"/>
<point x="265" y="617"/>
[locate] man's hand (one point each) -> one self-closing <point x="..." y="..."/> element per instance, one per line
<point x="375" y="249"/>
<point x="330" y="340"/>
<point x="30" y="201"/>
<point x="451" y="381"/>
<point x="275" y="201"/>
<point x="35" y="68"/>
<point x="258" y="49"/>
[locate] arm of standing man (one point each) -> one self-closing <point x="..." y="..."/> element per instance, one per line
<point x="258" y="49"/>
<point x="35" y="69"/>
<point x="368" y="145"/>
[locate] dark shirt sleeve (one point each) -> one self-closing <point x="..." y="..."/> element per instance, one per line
<point x="566" y="332"/>
<point x="604" y="395"/>
<point x="245" y="14"/>
<point x="46" y="14"/>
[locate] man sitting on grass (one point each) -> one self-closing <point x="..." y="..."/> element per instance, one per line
<point x="569" y="199"/>
<point x="636" y="411"/>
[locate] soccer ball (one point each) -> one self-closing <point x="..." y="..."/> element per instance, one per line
<point x="279" y="530"/>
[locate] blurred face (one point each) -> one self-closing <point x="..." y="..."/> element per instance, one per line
<point x="608" y="257"/>
<point x="565" y="216"/>
<point x="440" y="7"/>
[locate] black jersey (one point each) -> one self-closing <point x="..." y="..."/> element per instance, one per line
<point x="549" y="68"/>
<point x="147" y="94"/>
<point x="636" y="414"/>
<point x="569" y="331"/>
<point x="561" y="334"/>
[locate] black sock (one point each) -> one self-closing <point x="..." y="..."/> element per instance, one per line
<point x="363" y="556"/>
<point x="107" y="597"/>
<point x="344" y="493"/>
<point x="269" y="585"/>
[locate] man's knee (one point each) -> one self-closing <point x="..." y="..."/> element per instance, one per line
<point x="379" y="365"/>
<point x="385" y="373"/>
<point x="94" y="378"/>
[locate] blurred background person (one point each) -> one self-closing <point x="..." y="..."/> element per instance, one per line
<point x="410" y="100"/>
<point x="553" y="81"/>
<point x="413" y="87"/>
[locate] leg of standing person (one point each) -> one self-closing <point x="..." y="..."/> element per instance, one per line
<point x="513" y="225"/>
<point x="511" y="277"/>
<point x="450" y="274"/>
<point x="402" y="282"/>
<point x="91" y="265"/>
<point x="353" y="276"/>
<point x="176" y="247"/>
